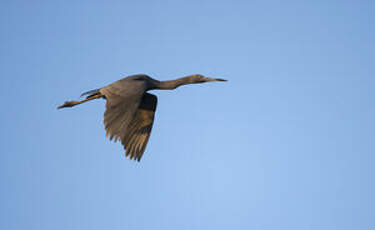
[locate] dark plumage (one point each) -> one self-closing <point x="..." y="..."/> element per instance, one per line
<point x="130" y="110"/>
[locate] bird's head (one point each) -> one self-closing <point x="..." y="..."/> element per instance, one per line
<point x="198" y="78"/>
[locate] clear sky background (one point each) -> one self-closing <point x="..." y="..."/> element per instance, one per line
<point x="286" y="143"/>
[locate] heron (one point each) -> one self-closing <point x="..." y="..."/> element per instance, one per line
<point x="130" y="109"/>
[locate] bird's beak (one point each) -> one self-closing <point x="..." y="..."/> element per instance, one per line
<point x="214" y="79"/>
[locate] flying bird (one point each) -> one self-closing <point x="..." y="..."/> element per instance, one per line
<point x="130" y="110"/>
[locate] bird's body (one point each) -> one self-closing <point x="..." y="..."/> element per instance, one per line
<point x="130" y="110"/>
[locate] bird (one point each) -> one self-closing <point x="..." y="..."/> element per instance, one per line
<point x="130" y="109"/>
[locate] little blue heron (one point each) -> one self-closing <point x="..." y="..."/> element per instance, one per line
<point x="130" y="110"/>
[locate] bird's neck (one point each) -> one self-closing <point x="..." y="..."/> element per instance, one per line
<point x="173" y="84"/>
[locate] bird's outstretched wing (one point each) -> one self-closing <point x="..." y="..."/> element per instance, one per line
<point x="129" y="117"/>
<point x="120" y="110"/>
<point x="135" y="137"/>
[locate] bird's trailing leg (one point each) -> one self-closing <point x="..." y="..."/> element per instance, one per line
<point x="73" y="103"/>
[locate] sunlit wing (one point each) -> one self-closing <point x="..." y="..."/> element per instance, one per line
<point x="135" y="137"/>
<point x="120" y="111"/>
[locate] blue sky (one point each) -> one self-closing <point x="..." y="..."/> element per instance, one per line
<point x="286" y="143"/>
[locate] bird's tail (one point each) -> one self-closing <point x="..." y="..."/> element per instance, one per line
<point x="90" y="93"/>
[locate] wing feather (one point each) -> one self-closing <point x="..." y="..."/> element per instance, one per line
<point x="129" y="114"/>
<point x="129" y="118"/>
<point x="136" y="138"/>
<point x="120" y="109"/>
